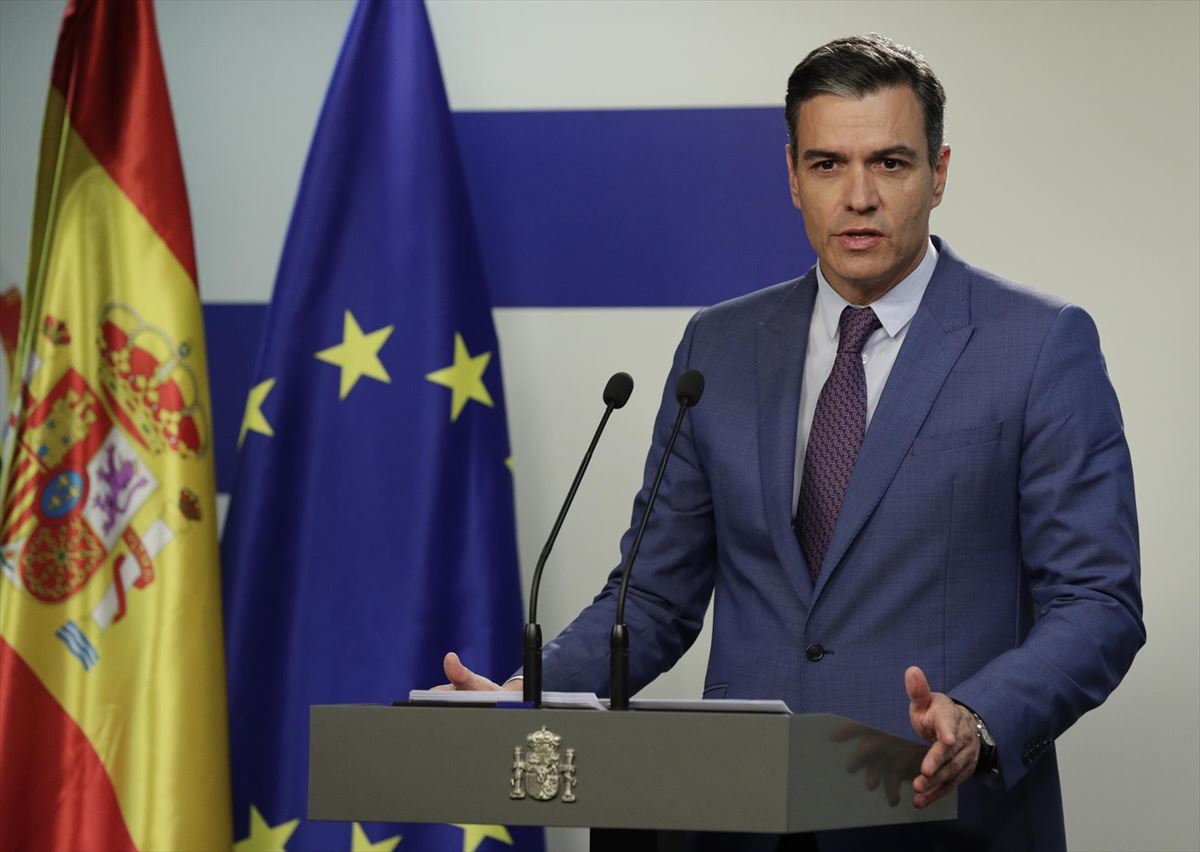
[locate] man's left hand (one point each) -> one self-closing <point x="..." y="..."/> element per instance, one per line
<point x="951" y="728"/>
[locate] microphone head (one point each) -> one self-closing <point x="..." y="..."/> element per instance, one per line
<point x="689" y="388"/>
<point x="618" y="390"/>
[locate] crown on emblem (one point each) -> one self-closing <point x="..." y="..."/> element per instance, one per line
<point x="543" y="739"/>
<point x="151" y="382"/>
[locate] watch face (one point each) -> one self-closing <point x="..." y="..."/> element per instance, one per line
<point x="984" y="733"/>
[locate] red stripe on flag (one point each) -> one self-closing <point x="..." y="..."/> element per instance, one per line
<point x="18" y="472"/>
<point x="110" y="73"/>
<point x="54" y="791"/>
<point x="12" y="529"/>
<point x="15" y="499"/>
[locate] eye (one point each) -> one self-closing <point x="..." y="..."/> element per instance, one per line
<point x="824" y="165"/>
<point x="891" y="164"/>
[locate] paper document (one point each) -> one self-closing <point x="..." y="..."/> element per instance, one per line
<point x="712" y="705"/>
<point x="553" y="700"/>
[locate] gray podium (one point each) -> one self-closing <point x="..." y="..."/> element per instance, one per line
<point x="700" y="771"/>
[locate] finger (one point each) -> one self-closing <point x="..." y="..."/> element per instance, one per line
<point x="961" y="760"/>
<point x="924" y="800"/>
<point x="450" y="667"/>
<point x="945" y="724"/>
<point x="920" y="703"/>
<point x="463" y="678"/>
<point x="455" y="671"/>
<point x="921" y="800"/>
<point x="917" y="687"/>
<point x="928" y="797"/>
<point x="962" y="736"/>
<point x="941" y="755"/>
<point x="945" y="785"/>
<point x="960" y="767"/>
<point x="948" y="744"/>
<point x="935" y="759"/>
<point x="952" y="721"/>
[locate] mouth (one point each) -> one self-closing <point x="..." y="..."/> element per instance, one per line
<point x="859" y="239"/>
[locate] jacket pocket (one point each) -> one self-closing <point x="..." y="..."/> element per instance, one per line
<point x="717" y="690"/>
<point x="986" y="434"/>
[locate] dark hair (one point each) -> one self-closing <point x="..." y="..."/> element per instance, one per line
<point x="856" y="66"/>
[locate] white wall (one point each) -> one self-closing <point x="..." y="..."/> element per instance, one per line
<point x="1075" y="129"/>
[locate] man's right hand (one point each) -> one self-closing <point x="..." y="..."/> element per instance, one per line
<point x="462" y="678"/>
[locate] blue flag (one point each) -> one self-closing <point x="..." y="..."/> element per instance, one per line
<point x="371" y="527"/>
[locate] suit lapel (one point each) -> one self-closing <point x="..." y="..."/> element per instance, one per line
<point x="779" y="361"/>
<point x="940" y="329"/>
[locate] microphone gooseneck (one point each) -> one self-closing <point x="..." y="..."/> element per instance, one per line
<point x="688" y="390"/>
<point x="616" y="394"/>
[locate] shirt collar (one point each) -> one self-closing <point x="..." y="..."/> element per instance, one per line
<point x="895" y="308"/>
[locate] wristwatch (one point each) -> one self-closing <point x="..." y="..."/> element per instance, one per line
<point x="988" y="761"/>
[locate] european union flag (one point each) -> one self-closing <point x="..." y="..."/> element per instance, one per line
<point x="371" y="523"/>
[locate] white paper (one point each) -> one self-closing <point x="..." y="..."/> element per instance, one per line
<point x="553" y="700"/>
<point x="712" y="705"/>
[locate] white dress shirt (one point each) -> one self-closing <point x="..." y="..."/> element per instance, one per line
<point x="895" y="310"/>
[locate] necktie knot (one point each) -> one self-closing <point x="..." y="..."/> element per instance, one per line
<point x="857" y="324"/>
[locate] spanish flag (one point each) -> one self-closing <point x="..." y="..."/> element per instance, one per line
<point x="113" y="730"/>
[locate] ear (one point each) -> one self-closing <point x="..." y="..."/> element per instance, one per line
<point x="792" y="184"/>
<point x="940" y="173"/>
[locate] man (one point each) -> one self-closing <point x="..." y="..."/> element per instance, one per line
<point x="903" y="468"/>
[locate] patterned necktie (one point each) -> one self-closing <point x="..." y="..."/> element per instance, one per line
<point x="838" y="426"/>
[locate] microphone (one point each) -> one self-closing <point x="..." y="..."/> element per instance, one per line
<point x="688" y="391"/>
<point x="616" y="394"/>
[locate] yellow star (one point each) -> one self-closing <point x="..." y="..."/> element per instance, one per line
<point x="508" y="463"/>
<point x="464" y="378"/>
<point x="473" y="835"/>
<point x="253" y="420"/>
<point x="359" y="842"/>
<point x="357" y="354"/>
<point x="263" y="837"/>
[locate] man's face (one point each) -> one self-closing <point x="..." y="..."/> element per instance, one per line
<point x="863" y="182"/>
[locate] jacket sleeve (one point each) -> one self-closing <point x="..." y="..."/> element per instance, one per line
<point x="1079" y="553"/>
<point x="672" y="579"/>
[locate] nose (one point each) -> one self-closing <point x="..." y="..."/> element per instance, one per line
<point x="861" y="195"/>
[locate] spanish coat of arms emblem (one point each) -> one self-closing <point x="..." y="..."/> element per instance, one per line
<point x="541" y="771"/>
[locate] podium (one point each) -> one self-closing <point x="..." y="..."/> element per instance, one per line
<point x="700" y="771"/>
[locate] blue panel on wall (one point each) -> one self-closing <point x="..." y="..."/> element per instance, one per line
<point x="631" y="207"/>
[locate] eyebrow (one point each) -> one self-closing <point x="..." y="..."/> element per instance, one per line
<point x="881" y="154"/>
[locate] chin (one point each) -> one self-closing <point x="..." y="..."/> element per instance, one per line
<point x="862" y="271"/>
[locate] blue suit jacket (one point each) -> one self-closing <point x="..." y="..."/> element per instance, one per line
<point x="988" y="535"/>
